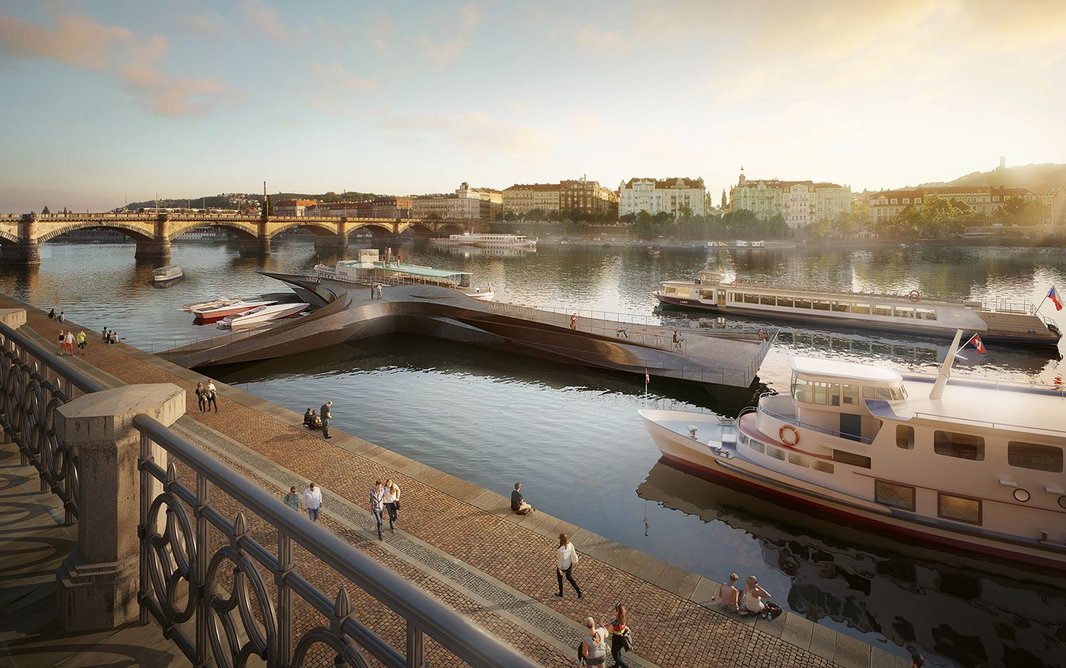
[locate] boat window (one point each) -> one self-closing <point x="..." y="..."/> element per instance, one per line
<point x="757" y="446"/>
<point x="842" y="307"/>
<point x="883" y="393"/>
<point x="802" y="390"/>
<point x="820" y="392"/>
<point x="860" y="308"/>
<point x="769" y="300"/>
<point x="905" y="436"/>
<point x="845" y="457"/>
<point x="1034" y="456"/>
<point x="925" y="314"/>
<point x="891" y="494"/>
<point x="751" y="299"/>
<point x="822" y="305"/>
<point x="963" y="446"/>
<point x="882" y="310"/>
<point x="824" y="467"/>
<point x="904" y="312"/>
<point x="743" y="438"/>
<point x="959" y="508"/>
<point x="798" y="460"/>
<point x="785" y="301"/>
<point x="850" y="395"/>
<point x="834" y="394"/>
<point x="898" y="392"/>
<point x="775" y="453"/>
<point x="803" y="303"/>
<point x="707" y="294"/>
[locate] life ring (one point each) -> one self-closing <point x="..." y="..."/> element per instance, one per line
<point x="793" y="440"/>
<point x="914" y="296"/>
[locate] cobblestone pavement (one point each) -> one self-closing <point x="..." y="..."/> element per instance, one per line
<point x="461" y="543"/>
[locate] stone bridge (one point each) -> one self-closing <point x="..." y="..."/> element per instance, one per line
<point x="22" y="235"/>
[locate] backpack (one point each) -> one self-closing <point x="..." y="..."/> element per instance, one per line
<point x="627" y="639"/>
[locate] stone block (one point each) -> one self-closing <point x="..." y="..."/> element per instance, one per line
<point x="13" y="317"/>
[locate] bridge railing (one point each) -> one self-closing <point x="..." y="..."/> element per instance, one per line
<point x="35" y="383"/>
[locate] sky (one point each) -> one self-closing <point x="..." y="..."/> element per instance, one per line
<point x="123" y="100"/>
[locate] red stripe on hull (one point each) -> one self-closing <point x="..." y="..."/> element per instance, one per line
<point x="918" y="534"/>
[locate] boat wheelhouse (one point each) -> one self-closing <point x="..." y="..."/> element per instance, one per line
<point x="486" y="240"/>
<point x="966" y="463"/>
<point x="1001" y="322"/>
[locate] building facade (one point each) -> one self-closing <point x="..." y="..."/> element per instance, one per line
<point x="798" y="202"/>
<point x="294" y="207"/>
<point x="465" y="203"/>
<point x="887" y="204"/>
<point x="587" y="197"/>
<point x="522" y="198"/>
<point x="673" y="196"/>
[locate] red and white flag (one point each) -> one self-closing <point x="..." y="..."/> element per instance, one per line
<point x="977" y="343"/>
<point x="1053" y="295"/>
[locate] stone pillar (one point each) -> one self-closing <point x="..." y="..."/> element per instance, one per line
<point x="27" y="251"/>
<point x="254" y="247"/>
<point x="98" y="581"/>
<point x="153" y="250"/>
<point x="13" y="317"/>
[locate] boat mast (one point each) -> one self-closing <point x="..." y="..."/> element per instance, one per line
<point x="945" y="369"/>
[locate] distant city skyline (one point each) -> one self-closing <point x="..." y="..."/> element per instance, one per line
<point x="118" y="101"/>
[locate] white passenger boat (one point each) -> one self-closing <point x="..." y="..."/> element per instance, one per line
<point x="211" y="303"/>
<point x="486" y="240"/>
<point x="262" y="314"/>
<point x="965" y="463"/>
<point x="216" y="313"/>
<point x="168" y="275"/>
<point x="1017" y="324"/>
<point x="368" y="270"/>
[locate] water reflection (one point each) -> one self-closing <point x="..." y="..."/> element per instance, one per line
<point x="966" y="610"/>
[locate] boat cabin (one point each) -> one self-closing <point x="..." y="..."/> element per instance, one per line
<point x="832" y="395"/>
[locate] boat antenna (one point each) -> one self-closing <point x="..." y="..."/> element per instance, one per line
<point x="945" y="369"/>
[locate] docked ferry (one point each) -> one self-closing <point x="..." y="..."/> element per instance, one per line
<point x="1017" y="324"/>
<point x="486" y="241"/>
<point x="970" y="464"/>
<point x="368" y="270"/>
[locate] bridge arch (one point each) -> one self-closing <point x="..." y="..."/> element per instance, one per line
<point x="422" y="230"/>
<point x="7" y="237"/>
<point x="375" y="229"/>
<point x="131" y="229"/>
<point x="244" y="230"/>
<point x="319" y="229"/>
<point x="450" y="228"/>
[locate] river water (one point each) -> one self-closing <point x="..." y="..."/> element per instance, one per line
<point x="573" y="437"/>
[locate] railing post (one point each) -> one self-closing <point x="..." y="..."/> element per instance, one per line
<point x="98" y="581"/>
<point x="284" y="598"/>
<point x="415" y="646"/>
<point x="200" y="570"/>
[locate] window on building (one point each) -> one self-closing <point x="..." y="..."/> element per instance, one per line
<point x="905" y="436"/>
<point x="892" y="494"/>
<point x="958" y="508"/>
<point x="962" y="446"/>
<point x="1034" y="456"/>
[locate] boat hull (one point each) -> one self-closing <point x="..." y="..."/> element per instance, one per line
<point x="692" y="455"/>
<point x="1037" y="339"/>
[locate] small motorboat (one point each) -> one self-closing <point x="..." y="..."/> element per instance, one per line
<point x="213" y="303"/>
<point x="209" y="315"/>
<point x="484" y="294"/>
<point x="166" y="276"/>
<point x="262" y="314"/>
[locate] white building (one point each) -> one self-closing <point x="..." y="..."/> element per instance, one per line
<point x="671" y="195"/>
<point x="798" y="202"/>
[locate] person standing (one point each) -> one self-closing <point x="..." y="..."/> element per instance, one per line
<point x="292" y="499"/>
<point x="594" y="644"/>
<point x="573" y="322"/>
<point x="62" y="341"/>
<point x="312" y="501"/>
<point x="80" y="339"/>
<point x="567" y="560"/>
<point x="201" y="397"/>
<point x="212" y="396"/>
<point x="617" y="627"/>
<point x="69" y="342"/>
<point x="392" y="502"/>
<point x="325" y="415"/>
<point x="377" y="506"/>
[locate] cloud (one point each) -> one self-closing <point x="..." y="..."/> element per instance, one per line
<point x="337" y="76"/>
<point x="263" y="18"/>
<point x="598" y="39"/>
<point x="115" y="52"/>
<point x="76" y="40"/>
<point x="443" y="54"/>
<point x="472" y="129"/>
<point x="204" y="23"/>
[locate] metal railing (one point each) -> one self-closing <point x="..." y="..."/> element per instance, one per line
<point x="35" y="383"/>
<point x="232" y="626"/>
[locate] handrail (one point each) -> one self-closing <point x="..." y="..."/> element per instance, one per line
<point x="422" y="612"/>
<point x="48" y="358"/>
<point x="823" y="430"/>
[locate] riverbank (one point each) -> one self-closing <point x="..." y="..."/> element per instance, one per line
<point x="460" y="542"/>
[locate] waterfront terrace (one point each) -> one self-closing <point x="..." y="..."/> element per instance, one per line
<point x="457" y="546"/>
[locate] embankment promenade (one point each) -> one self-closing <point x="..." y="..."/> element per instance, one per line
<point x="457" y="541"/>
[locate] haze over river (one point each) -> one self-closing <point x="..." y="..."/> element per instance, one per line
<point x="573" y="437"/>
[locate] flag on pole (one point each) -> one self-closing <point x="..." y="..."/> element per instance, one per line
<point x="647" y="378"/>
<point x="1053" y="295"/>
<point x="977" y="343"/>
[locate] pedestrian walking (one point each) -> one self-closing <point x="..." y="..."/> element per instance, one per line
<point x="212" y="396"/>
<point x="377" y="506"/>
<point x="68" y="342"/>
<point x="392" y="502"/>
<point x="573" y="322"/>
<point x="312" y="498"/>
<point x="292" y="499"/>
<point x="619" y="633"/>
<point x="80" y="339"/>
<point x="201" y="397"/>
<point x="593" y="649"/>
<point x="567" y="560"/>
<point x="373" y="290"/>
<point x="325" y="415"/>
<point x="62" y="341"/>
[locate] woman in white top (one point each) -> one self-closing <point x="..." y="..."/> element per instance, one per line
<point x="567" y="560"/>
<point x="753" y="600"/>
<point x="594" y="644"/>
<point x="392" y="502"/>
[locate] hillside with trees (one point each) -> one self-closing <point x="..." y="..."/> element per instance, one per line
<point x="1041" y="178"/>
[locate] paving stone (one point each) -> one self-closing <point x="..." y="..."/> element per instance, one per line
<point x="851" y="653"/>
<point x="798" y="630"/>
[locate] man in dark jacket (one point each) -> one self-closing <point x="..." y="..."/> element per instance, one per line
<point x="518" y="504"/>
<point x="326" y="416"/>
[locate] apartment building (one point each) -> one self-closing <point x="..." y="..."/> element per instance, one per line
<point x="798" y="202"/>
<point x="522" y="198"/>
<point x="589" y="197"/>
<point x="466" y="203"/>
<point x="672" y="196"/>
<point x="293" y="207"/>
<point x="888" y="204"/>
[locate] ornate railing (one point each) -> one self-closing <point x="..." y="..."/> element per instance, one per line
<point x="222" y="595"/>
<point x="35" y="381"/>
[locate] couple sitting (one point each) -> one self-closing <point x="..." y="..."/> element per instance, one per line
<point x="753" y="603"/>
<point x="311" y="420"/>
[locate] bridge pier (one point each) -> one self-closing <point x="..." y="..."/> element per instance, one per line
<point x="153" y="250"/>
<point x="25" y="253"/>
<point x="254" y="247"/>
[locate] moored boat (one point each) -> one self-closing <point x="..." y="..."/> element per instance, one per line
<point x="216" y="313"/>
<point x="1017" y="324"/>
<point x="369" y="270"/>
<point x="166" y="276"/>
<point x="486" y="240"/>
<point x="211" y="303"/>
<point x="262" y="314"/>
<point x="970" y="464"/>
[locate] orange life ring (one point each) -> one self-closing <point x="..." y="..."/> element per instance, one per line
<point x="914" y="296"/>
<point x="788" y="429"/>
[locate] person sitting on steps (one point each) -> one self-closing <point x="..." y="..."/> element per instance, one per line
<point x="518" y="504"/>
